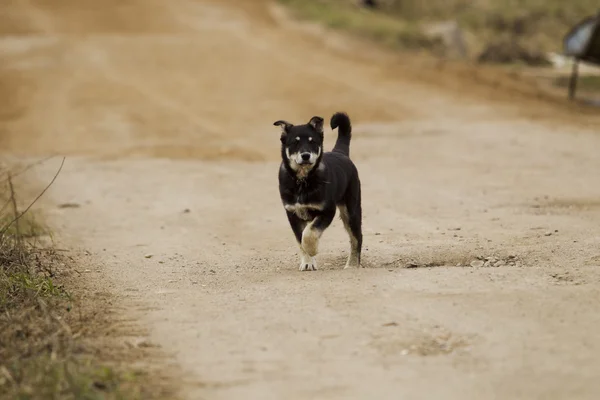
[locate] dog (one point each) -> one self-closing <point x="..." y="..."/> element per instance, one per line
<point x="313" y="183"/>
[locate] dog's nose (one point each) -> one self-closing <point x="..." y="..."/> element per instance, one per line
<point x="305" y="156"/>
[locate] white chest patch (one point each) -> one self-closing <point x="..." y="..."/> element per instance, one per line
<point x="302" y="210"/>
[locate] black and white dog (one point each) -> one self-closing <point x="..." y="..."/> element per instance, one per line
<point x="313" y="183"/>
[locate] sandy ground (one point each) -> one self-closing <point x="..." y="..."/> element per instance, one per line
<point x="165" y="111"/>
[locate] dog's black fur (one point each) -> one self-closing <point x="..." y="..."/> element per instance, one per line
<point x="312" y="189"/>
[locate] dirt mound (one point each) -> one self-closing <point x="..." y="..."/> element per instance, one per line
<point x="510" y="51"/>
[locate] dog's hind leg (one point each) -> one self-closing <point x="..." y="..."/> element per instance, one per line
<point x="351" y="215"/>
<point x="313" y="231"/>
<point x="307" y="263"/>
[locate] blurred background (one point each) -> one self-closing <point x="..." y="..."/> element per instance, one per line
<point x="84" y="75"/>
<point x="520" y="35"/>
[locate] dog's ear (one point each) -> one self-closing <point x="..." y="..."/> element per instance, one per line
<point x="285" y="127"/>
<point x="283" y="124"/>
<point x="317" y="124"/>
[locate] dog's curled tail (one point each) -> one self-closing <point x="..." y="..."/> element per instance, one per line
<point x="342" y="121"/>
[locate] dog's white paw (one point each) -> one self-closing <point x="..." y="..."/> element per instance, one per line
<point x="310" y="241"/>
<point x="308" y="265"/>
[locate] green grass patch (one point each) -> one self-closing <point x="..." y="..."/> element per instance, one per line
<point x="44" y="377"/>
<point x="46" y="339"/>
<point x="536" y="25"/>
<point x="585" y="82"/>
<point x="389" y="30"/>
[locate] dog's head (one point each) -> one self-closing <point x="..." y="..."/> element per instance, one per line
<point x="302" y="145"/>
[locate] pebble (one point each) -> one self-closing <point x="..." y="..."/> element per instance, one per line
<point x="148" y="255"/>
<point x="548" y="233"/>
<point x="146" y="344"/>
<point x="69" y="205"/>
<point x="477" y="264"/>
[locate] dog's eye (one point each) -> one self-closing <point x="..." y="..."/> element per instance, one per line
<point x="297" y="138"/>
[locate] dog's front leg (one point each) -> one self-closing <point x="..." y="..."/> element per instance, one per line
<point x="307" y="263"/>
<point x="313" y="231"/>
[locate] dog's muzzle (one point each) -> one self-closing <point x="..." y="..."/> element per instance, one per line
<point x="305" y="159"/>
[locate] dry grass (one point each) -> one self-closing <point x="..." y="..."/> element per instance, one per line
<point x="586" y="83"/>
<point x="534" y="24"/>
<point x="48" y="346"/>
<point x="385" y="28"/>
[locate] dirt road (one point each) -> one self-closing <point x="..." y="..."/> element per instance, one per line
<point x="164" y="110"/>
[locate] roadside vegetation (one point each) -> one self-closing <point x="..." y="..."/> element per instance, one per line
<point x="525" y="36"/>
<point x="527" y="28"/>
<point x="51" y="346"/>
